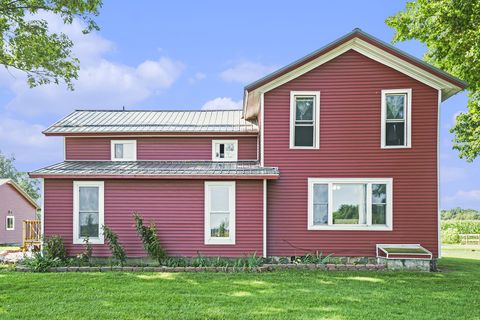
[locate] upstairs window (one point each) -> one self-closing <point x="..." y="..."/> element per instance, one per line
<point x="88" y="211"/>
<point x="350" y="204"/>
<point x="224" y="150"/>
<point x="220" y="212"/>
<point x="396" y="116"/>
<point x="304" y="119"/>
<point x="10" y="222"/>
<point x="124" y="150"/>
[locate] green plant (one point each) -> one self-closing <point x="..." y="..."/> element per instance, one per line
<point x="54" y="247"/>
<point x="149" y="237"/>
<point x="118" y="252"/>
<point x="450" y="236"/>
<point x="41" y="263"/>
<point x="86" y="254"/>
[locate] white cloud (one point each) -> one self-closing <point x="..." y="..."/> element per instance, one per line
<point x="222" y="104"/>
<point x="199" y="76"/>
<point x="246" y="71"/>
<point x="101" y="84"/>
<point x="454" y="117"/>
<point x="466" y="199"/>
<point x="27" y="143"/>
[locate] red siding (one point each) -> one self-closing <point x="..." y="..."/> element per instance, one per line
<point x="158" y="148"/>
<point x="350" y="102"/>
<point x="176" y="206"/>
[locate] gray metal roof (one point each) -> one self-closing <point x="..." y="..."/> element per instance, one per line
<point x="156" y="168"/>
<point x="153" y="121"/>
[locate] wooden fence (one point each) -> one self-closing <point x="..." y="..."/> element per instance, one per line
<point x="32" y="234"/>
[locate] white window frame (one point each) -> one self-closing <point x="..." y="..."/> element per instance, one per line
<point x="369" y="181"/>
<point x="13" y="223"/>
<point x="408" y="119"/>
<point x="76" y="202"/>
<point x="232" y="195"/>
<point x="316" y="118"/>
<point x="214" y="144"/>
<point x="112" y="149"/>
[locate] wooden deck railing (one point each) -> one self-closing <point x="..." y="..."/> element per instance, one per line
<point x="32" y="234"/>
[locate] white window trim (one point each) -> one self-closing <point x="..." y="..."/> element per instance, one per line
<point x="231" y="239"/>
<point x="408" y="119"/>
<point x="316" y="117"/>
<point x="235" y="143"/>
<point x="13" y="223"/>
<point x="76" y="226"/>
<point x="369" y="181"/>
<point x="112" y="149"/>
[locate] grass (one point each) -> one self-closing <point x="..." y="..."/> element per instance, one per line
<point x="293" y="294"/>
<point x="461" y="251"/>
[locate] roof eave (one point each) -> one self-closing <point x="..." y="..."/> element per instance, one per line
<point x="158" y="176"/>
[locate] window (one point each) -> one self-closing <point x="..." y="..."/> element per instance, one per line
<point x="10" y="223"/>
<point x="224" y="150"/>
<point x="88" y="211"/>
<point x="396" y="118"/>
<point x="304" y="119"/>
<point x="124" y="150"/>
<point x="350" y="204"/>
<point x="220" y="212"/>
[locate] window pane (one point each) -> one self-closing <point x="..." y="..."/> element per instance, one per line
<point x="88" y="224"/>
<point x="395" y="106"/>
<point x="229" y="150"/>
<point x="304" y="136"/>
<point x="379" y="214"/>
<point x="219" y="198"/>
<point x="379" y="193"/>
<point x="349" y="204"/>
<point x="219" y="225"/>
<point x="395" y="135"/>
<point x="9" y="223"/>
<point x="88" y="199"/>
<point x="221" y="153"/>
<point x="118" y="151"/>
<point x="304" y="108"/>
<point x="320" y="204"/>
<point x="128" y="150"/>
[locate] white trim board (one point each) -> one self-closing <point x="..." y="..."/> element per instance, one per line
<point x="101" y="212"/>
<point x="408" y="118"/>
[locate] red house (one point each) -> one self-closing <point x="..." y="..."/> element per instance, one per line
<point x="336" y="152"/>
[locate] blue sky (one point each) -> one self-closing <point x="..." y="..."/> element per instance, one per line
<point x="189" y="55"/>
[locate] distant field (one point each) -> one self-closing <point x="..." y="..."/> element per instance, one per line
<point x="461" y="251"/>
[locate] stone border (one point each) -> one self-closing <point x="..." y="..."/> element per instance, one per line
<point x="263" y="268"/>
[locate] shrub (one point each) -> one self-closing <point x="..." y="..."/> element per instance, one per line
<point x="116" y="248"/>
<point x="462" y="226"/>
<point x="450" y="236"/>
<point x="54" y="247"/>
<point x="86" y="254"/>
<point x="41" y="263"/>
<point x="148" y="234"/>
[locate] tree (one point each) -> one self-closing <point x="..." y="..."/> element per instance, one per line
<point x="7" y="170"/>
<point x="28" y="45"/>
<point x="451" y="31"/>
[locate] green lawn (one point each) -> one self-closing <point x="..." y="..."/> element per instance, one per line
<point x="461" y="251"/>
<point x="451" y="294"/>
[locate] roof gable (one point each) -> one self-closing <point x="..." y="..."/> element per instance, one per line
<point x="20" y="191"/>
<point x="364" y="44"/>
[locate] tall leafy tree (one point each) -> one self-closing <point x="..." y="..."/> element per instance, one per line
<point x="8" y="171"/>
<point x="451" y="31"/>
<point x="28" y="45"/>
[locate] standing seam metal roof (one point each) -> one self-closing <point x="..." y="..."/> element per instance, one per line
<point x="131" y="121"/>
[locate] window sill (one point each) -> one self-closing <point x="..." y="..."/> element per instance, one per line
<point x="396" y="147"/>
<point x="350" y="228"/>
<point x="304" y="148"/>
<point x="219" y="242"/>
<point x="91" y="241"/>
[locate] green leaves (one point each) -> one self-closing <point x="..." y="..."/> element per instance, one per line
<point x="28" y="45"/>
<point x="149" y="237"/>
<point x="451" y="31"/>
<point x="8" y="170"/>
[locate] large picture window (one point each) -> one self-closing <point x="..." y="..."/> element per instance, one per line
<point x="88" y="211"/>
<point x="220" y="212"/>
<point x="350" y="204"/>
<point x="396" y="115"/>
<point x="304" y="121"/>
